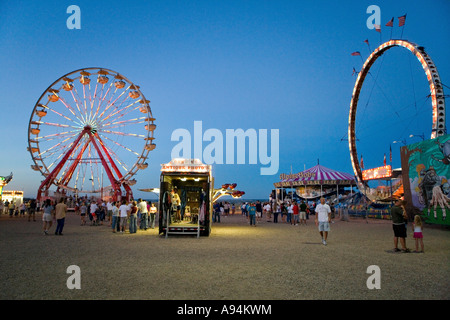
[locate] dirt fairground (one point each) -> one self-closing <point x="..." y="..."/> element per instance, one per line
<point x="272" y="261"/>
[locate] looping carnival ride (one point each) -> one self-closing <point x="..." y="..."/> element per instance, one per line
<point x="436" y="93"/>
<point x="89" y="122"/>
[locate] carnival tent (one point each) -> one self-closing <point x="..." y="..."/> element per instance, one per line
<point x="316" y="176"/>
<point x="317" y="173"/>
<point x="321" y="173"/>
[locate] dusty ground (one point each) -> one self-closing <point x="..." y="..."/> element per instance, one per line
<point x="237" y="262"/>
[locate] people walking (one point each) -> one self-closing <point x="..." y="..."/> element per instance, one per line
<point x="123" y="209"/>
<point x="22" y="208"/>
<point x="252" y="214"/>
<point x="109" y="207"/>
<point x="48" y="216"/>
<point x="258" y="207"/>
<point x="92" y="215"/>
<point x="276" y="212"/>
<point x="323" y="219"/>
<point x="114" y="216"/>
<point x="142" y="209"/>
<point x="11" y="208"/>
<point x="216" y="208"/>
<point x="60" y="215"/>
<point x="290" y="211"/>
<point x="398" y="215"/>
<point x="244" y="209"/>
<point x="133" y="217"/>
<point x="83" y="211"/>
<point x="32" y="210"/>
<point x="268" y="211"/>
<point x="418" y="235"/>
<point x="303" y="209"/>
<point x="152" y="216"/>
<point x="294" y="219"/>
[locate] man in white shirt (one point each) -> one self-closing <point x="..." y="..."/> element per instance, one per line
<point x="123" y="213"/>
<point x="93" y="216"/>
<point x="323" y="218"/>
<point x="109" y="208"/>
<point x="290" y="210"/>
<point x="268" y="211"/>
<point x="142" y="207"/>
<point x="153" y="211"/>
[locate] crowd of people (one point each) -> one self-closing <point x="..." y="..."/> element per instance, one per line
<point x="119" y="216"/>
<point x="122" y="216"/>
<point x="287" y="211"/>
<point x="19" y="209"/>
<point x="291" y="212"/>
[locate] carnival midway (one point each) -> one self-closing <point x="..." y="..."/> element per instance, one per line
<point x="85" y="157"/>
<point x="313" y="170"/>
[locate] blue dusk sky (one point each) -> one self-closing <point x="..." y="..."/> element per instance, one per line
<point x="275" y="65"/>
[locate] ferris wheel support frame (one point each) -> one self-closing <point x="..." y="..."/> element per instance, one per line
<point x="436" y="93"/>
<point x="45" y="185"/>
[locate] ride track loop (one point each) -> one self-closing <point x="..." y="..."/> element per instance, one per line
<point x="436" y="93"/>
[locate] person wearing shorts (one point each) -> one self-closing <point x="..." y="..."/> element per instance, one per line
<point x="123" y="214"/>
<point x="258" y="207"/>
<point x="398" y="215"/>
<point x="303" y="208"/>
<point x="48" y="215"/>
<point x="418" y="235"/>
<point x="109" y="208"/>
<point x="323" y="218"/>
<point x="83" y="210"/>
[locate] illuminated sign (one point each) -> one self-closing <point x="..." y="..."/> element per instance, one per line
<point x="12" y="196"/>
<point x="185" y="165"/>
<point x="13" y="193"/>
<point x="299" y="175"/>
<point x="377" y="173"/>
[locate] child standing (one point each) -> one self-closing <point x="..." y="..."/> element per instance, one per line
<point x="418" y="236"/>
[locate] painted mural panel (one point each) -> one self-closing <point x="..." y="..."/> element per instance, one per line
<point x="427" y="186"/>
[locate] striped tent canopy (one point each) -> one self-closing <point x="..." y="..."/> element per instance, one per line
<point x="317" y="175"/>
<point x="321" y="173"/>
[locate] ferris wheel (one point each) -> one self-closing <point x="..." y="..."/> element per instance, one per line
<point x="91" y="131"/>
<point x="436" y="92"/>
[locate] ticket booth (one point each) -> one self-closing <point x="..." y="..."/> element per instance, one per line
<point x="185" y="206"/>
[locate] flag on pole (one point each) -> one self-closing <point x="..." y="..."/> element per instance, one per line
<point x="367" y="42"/>
<point x="362" y="162"/>
<point x="390" y="154"/>
<point x="390" y="23"/>
<point x="384" y="161"/>
<point x="401" y="21"/>
<point x="356" y="53"/>
<point x="377" y="27"/>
